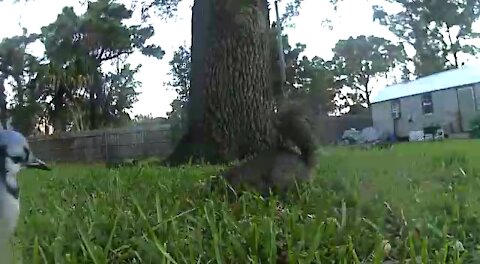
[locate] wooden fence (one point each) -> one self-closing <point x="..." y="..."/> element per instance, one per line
<point x="102" y="146"/>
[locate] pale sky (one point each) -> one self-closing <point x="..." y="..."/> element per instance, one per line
<point x="354" y="17"/>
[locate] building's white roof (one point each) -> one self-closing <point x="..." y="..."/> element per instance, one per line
<point x="438" y="81"/>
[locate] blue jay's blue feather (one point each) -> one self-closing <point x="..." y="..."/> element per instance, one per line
<point x="15" y="154"/>
<point x="12" y="138"/>
<point x="9" y="207"/>
<point x="11" y="189"/>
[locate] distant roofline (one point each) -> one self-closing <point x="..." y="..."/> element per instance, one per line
<point x="447" y="79"/>
<point x="441" y="89"/>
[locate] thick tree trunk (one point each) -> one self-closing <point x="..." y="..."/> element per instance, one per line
<point x="231" y="98"/>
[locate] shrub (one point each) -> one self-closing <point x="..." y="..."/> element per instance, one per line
<point x="475" y="127"/>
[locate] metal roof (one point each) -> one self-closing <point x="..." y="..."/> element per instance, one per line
<point x="447" y="79"/>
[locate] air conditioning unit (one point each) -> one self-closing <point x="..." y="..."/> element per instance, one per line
<point x="395" y="109"/>
<point x="396" y="115"/>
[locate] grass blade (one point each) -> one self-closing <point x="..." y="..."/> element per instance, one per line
<point x="160" y="248"/>
<point x="87" y="245"/>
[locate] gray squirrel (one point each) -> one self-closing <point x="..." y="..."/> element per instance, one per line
<point x="279" y="169"/>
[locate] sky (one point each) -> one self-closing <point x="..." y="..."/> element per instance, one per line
<point x="353" y="18"/>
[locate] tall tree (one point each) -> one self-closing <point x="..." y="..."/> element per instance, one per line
<point x="359" y="60"/>
<point x="292" y="65"/>
<point x="181" y="74"/>
<point x="120" y="93"/>
<point x="310" y="80"/>
<point x="233" y="83"/>
<point x="97" y="36"/>
<point x="19" y="65"/>
<point x="438" y="30"/>
<point x="231" y="96"/>
<point x="316" y="80"/>
<point x="64" y="91"/>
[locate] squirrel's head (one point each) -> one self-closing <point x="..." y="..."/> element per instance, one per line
<point x="293" y="115"/>
<point x="296" y="124"/>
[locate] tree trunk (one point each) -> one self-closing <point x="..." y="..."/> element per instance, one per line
<point x="367" y="91"/>
<point x="93" y="114"/>
<point x="3" y="103"/>
<point x="95" y="88"/>
<point x="231" y="98"/>
<point x="20" y="90"/>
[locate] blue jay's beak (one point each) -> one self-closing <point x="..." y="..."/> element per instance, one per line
<point x="36" y="163"/>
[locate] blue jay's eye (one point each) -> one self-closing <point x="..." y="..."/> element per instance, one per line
<point x="27" y="153"/>
<point x="17" y="159"/>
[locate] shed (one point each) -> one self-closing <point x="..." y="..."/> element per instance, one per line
<point x="448" y="99"/>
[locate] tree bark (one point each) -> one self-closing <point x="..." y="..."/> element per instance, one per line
<point x="231" y="99"/>
<point x="20" y="89"/>
<point x="58" y="120"/>
<point x="95" y="88"/>
<point x="367" y="91"/>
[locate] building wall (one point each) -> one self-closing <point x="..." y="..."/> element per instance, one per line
<point x="445" y="113"/>
<point x="382" y="117"/>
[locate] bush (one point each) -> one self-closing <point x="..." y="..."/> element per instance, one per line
<point x="475" y="127"/>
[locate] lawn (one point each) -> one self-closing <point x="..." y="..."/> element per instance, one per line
<point x="417" y="201"/>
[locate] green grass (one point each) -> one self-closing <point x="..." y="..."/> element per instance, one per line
<point x="418" y="201"/>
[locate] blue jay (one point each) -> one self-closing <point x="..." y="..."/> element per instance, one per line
<point x="15" y="154"/>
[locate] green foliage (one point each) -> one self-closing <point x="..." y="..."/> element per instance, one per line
<point x="161" y="8"/>
<point x="13" y="57"/>
<point x="307" y="79"/>
<point x="67" y="86"/>
<point x="25" y="117"/>
<point x="99" y="33"/>
<point x="140" y="118"/>
<point x="359" y="60"/>
<point x="181" y="74"/>
<point x="83" y="43"/>
<point x="18" y="64"/>
<point x="292" y="9"/>
<point x="119" y="95"/>
<point x="292" y="62"/>
<point x="475" y="127"/>
<point x="438" y="30"/>
<point x="379" y="205"/>
<point x="356" y="61"/>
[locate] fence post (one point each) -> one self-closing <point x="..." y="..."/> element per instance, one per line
<point x="105" y="141"/>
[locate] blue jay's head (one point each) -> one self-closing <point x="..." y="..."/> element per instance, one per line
<point x="17" y="152"/>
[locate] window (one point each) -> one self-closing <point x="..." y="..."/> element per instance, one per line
<point x="395" y="109"/>
<point x="427" y="104"/>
